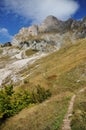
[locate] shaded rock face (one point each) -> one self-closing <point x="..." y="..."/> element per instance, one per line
<point x="75" y="24"/>
<point x="0" y="45"/>
<point x="68" y="23"/>
<point x="84" y="20"/>
<point x="51" y="23"/>
<point x="7" y="44"/>
<point x="81" y="34"/>
<point x="71" y="24"/>
<point x="81" y="31"/>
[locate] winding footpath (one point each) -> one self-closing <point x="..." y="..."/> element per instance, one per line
<point x="67" y="119"/>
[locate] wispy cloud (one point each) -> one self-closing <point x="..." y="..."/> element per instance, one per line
<point x="37" y="10"/>
<point x="4" y="35"/>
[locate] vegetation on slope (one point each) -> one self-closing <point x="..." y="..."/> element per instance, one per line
<point x="63" y="69"/>
<point x="79" y="113"/>
<point x="30" y="52"/>
<point x="1" y="51"/>
<point x="62" y="72"/>
<point x="12" y="102"/>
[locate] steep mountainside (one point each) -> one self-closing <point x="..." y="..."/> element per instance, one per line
<point x="28" y="36"/>
<point x="52" y="56"/>
<point x="64" y="73"/>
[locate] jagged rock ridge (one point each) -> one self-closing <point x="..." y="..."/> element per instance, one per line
<point x="34" y="34"/>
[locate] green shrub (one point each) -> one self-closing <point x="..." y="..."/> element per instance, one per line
<point x="9" y="90"/>
<point x="26" y="81"/>
<point x="11" y="102"/>
<point x="39" y="95"/>
<point x="5" y="102"/>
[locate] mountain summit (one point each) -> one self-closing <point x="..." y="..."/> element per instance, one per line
<point x="70" y="29"/>
<point x="51" y="23"/>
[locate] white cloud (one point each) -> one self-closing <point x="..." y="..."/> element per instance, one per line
<point x="37" y="10"/>
<point x="4" y="35"/>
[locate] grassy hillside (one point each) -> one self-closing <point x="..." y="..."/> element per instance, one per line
<point x="30" y="52"/>
<point x="79" y="113"/>
<point x="64" y="73"/>
<point x="1" y="51"/>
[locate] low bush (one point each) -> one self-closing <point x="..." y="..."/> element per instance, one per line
<point x="39" y="95"/>
<point x="12" y="102"/>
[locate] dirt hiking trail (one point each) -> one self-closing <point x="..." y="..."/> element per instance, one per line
<point x="67" y="119"/>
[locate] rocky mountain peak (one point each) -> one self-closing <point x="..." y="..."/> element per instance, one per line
<point x="52" y="24"/>
<point x="51" y="20"/>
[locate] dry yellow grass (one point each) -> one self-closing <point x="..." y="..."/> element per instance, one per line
<point x="30" y="52"/>
<point x="1" y="51"/>
<point x="79" y="112"/>
<point x="62" y="72"/>
<point x="59" y="63"/>
<point x="41" y="116"/>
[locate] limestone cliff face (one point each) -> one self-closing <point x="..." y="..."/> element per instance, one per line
<point x="33" y="30"/>
<point x="51" y="24"/>
<point x="24" y="34"/>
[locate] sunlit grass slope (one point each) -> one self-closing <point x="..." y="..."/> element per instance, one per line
<point x="79" y="112"/>
<point x="64" y="73"/>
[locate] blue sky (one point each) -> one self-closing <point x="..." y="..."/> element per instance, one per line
<point x="15" y="14"/>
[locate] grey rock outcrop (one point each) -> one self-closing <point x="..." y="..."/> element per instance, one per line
<point x="24" y="34"/>
<point x="68" y="24"/>
<point x="75" y="24"/>
<point x="27" y="36"/>
<point x="84" y="21"/>
<point x="33" y="30"/>
<point x="7" y="44"/>
<point x="51" y="23"/>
